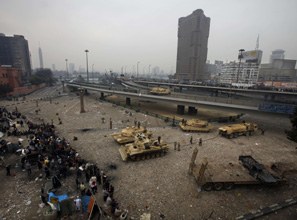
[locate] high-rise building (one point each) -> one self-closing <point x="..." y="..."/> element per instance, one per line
<point x="53" y="67"/>
<point x="277" y="55"/>
<point x="14" y="51"/>
<point x="280" y="70"/>
<point x="71" y="68"/>
<point x="193" y="32"/>
<point x="40" y="57"/>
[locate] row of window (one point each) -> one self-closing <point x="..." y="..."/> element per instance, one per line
<point x="4" y="75"/>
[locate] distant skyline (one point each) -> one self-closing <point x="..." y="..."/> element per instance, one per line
<point x="121" y="33"/>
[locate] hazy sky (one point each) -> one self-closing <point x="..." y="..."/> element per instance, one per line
<point x="122" y="32"/>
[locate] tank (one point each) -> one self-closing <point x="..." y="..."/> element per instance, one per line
<point x="235" y="130"/>
<point x="160" y="91"/>
<point x="143" y="148"/>
<point x="195" y="125"/>
<point x="128" y="133"/>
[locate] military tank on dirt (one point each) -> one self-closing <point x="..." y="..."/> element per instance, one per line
<point x="235" y="130"/>
<point x="143" y="148"/>
<point x="128" y="133"/>
<point x="195" y="125"/>
<point x="160" y="91"/>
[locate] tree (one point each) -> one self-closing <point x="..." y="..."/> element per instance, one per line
<point x="292" y="134"/>
<point x="43" y="76"/>
<point x="4" y="88"/>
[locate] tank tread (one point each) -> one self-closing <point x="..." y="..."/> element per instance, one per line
<point x="196" y="131"/>
<point x="147" y="156"/>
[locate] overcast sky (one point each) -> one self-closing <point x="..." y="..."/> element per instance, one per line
<point x="122" y="32"/>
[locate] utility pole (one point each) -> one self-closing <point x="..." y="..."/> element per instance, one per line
<point x="240" y="56"/>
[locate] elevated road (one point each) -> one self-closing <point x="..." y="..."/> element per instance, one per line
<point x="181" y="102"/>
<point x="252" y="91"/>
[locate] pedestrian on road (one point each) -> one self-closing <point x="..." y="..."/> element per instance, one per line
<point x="8" y="170"/>
<point x="200" y="142"/>
<point x="262" y="131"/>
<point x="191" y="140"/>
<point x="178" y="146"/>
<point x="175" y="145"/>
<point x="105" y="194"/>
<point x="77" y="202"/>
<point x="28" y="168"/>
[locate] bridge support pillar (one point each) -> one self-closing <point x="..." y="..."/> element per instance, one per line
<point x="180" y="109"/>
<point x="81" y="94"/>
<point x="128" y="101"/>
<point x="192" y="110"/>
<point x="102" y="95"/>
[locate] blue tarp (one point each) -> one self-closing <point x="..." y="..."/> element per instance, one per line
<point x="85" y="202"/>
<point x="60" y="198"/>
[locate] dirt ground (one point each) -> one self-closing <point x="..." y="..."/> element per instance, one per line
<point x="159" y="186"/>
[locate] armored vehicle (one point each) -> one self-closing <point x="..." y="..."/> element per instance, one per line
<point x="143" y="148"/>
<point x="195" y="125"/>
<point x="246" y="171"/>
<point x="128" y="133"/>
<point x="235" y="130"/>
<point x="160" y="91"/>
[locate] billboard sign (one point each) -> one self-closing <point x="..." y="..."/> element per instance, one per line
<point x="252" y="56"/>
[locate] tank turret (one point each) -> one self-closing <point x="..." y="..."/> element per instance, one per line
<point x="143" y="148"/>
<point x="195" y="125"/>
<point x="128" y="133"/>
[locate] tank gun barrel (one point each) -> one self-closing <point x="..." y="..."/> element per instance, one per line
<point x="115" y="134"/>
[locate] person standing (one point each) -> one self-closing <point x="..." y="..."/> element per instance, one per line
<point x="28" y="168"/>
<point x="200" y="142"/>
<point x="178" y="146"/>
<point x="8" y="170"/>
<point x="77" y="202"/>
<point x="191" y="140"/>
<point x="105" y="194"/>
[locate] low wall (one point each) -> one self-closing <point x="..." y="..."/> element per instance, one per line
<point x="25" y="89"/>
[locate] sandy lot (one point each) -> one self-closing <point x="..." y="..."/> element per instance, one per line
<point x="160" y="186"/>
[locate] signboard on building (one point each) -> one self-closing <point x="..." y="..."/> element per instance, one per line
<point x="252" y="56"/>
<point x="279" y="85"/>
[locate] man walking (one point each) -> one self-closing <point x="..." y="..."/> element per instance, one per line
<point x="8" y="170"/>
<point x="28" y="168"/>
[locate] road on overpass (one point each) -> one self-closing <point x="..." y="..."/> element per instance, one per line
<point x="171" y="100"/>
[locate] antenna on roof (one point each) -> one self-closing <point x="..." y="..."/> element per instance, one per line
<point x="257" y="43"/>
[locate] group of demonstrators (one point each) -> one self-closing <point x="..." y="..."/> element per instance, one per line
<point x="55" y="158"/>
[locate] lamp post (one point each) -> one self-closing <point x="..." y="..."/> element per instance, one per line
<point x="87" y="65"/>
<point x="93" y="72"/>
<point x="239" y="57"/>
<point x="66" y="67"/>
<point x="150" y="71"/>
<point x="133" y="71"/>
<point x="137" y="69"/>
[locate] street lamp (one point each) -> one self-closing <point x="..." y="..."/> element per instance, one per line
<point x="133" y="71"/>
<point x="66" y="67"/>
<point x="93" y="72"/>
<point x="87" y="65"/>
<point x="240" y="56"/>
<point x="150" y="71"/>
<point x="137" y="69"/>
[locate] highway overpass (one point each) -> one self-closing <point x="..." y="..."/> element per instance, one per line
<point x="182" y="103"/>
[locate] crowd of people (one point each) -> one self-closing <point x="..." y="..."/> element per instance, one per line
<point x="55" y="158"/>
